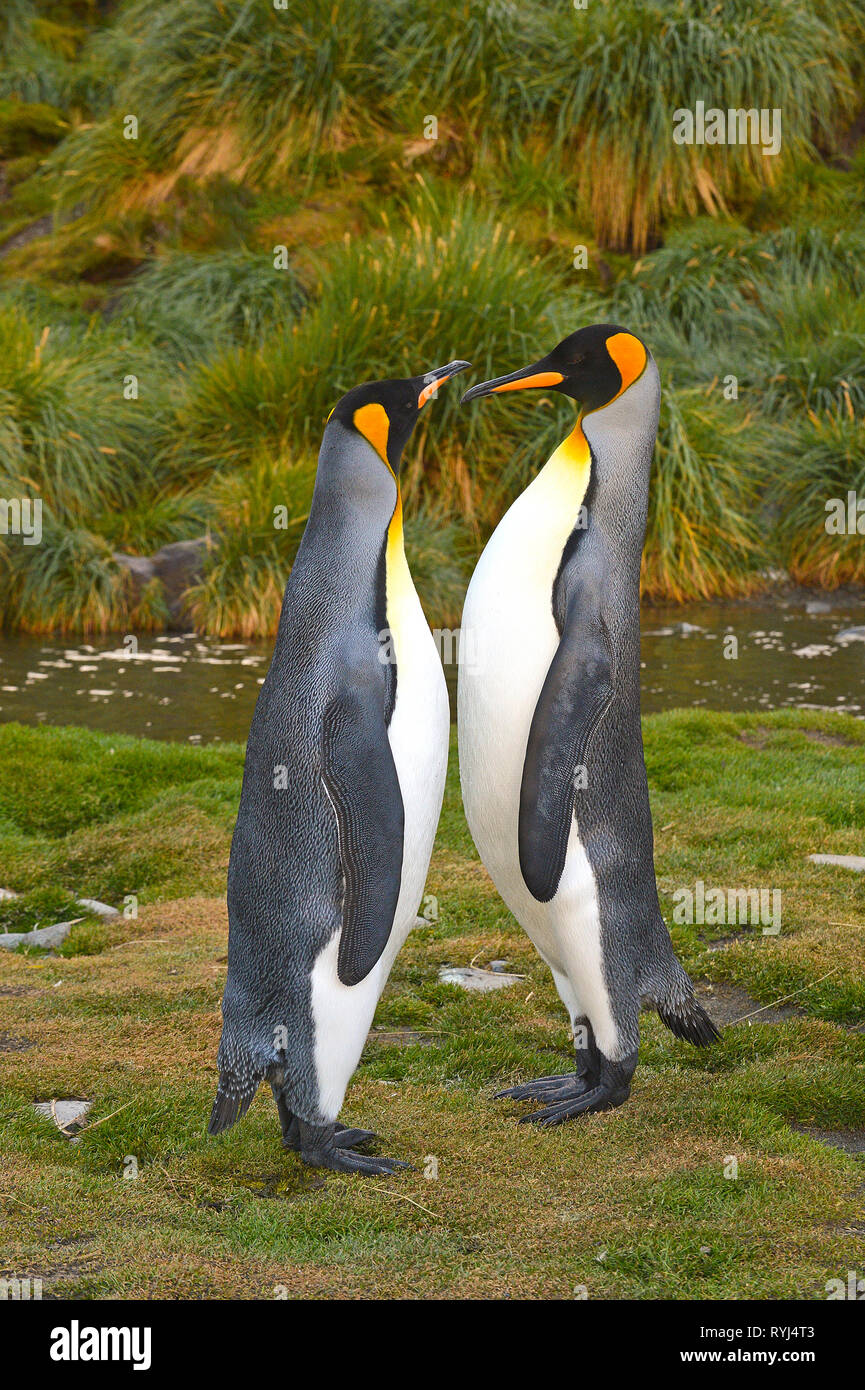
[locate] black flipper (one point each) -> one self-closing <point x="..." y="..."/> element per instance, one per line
<point x="574" y="699"/>
<point x="691" y="1022"/>
<point x="362" y="782"/>
<point x="232" y="1101"/>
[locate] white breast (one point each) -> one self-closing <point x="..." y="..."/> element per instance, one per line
<point x="509" y="638"/>
<point x="418" y="734"/>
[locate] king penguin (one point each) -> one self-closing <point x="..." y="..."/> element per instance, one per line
<point x="342" y="790"/>
<point x="550" y="745"/>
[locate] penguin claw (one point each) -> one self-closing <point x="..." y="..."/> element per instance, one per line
<point x="542" y="1086"/>
<point x="346" y="1161"/>
<point x="345" y="1138"/>
<point x="581" y="1103"/>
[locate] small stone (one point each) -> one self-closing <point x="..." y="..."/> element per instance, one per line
<point x="498" y="966"/>
<point x="100" y="909"/>
<point x="855" y="862"/>
<point x="851" y="634"/>
<point x="705" y="1249"/>
<point x="66" y="1114"/>
<point x="469" y="977"/>
<point x="45" y="937"/>
<point x="818" y="605"/>
<point x="7" y="894"/>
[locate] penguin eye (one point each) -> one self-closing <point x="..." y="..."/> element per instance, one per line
<point x="578" y="359"/>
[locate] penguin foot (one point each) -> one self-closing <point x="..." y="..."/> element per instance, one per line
<point x="545" y="1087"/>
<point x="580" y="1103"/>
<point x="600" y="1085"/>
<point x="343" y="1136"/>
<point x="324" y="1146"/>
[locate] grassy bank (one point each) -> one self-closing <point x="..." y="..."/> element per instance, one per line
<point x="182" y="301"/>
<point x="631" y="1204"/>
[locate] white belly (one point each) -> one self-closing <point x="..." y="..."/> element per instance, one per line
<point x="509" y="638"/>
<point x="418" y="735"/>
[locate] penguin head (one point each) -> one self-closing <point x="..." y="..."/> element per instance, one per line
<point x="594" y="366"/>
<point x="384" y="413"/>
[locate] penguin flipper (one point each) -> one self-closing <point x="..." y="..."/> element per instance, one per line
<point x="574" y="699"/>
<point x="362" y="782"/>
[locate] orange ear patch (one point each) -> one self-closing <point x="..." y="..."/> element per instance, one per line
<point x="372" y="422"/>
<point x="629" y="356"/>
<point x="539" y="379"/>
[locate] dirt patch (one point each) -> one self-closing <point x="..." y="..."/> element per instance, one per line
<point x="10" y="1044"/>
<point x="831" y="740"/>
<point x="755" y="738"/>
<point x="10" y="991"/>
<point x="849" y="1141"/>
<point x="728" y="1004"/>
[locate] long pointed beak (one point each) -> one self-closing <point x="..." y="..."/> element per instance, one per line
<point x="536" y="375"/>
<point x="433" y="380"/>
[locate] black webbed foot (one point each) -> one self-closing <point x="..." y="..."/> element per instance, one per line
<point x="597" y="1084"/>
<point x="321" y="1147"/>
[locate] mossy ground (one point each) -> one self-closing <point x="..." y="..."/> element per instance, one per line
<point x="632" y="1204"/>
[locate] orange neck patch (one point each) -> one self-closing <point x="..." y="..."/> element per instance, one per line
<point x="629" y="356"/>
<point x="372" y="422"/>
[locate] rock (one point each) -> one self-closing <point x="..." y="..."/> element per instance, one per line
<point x="851" y="634"/>
<point x="66" y="1114"/>
<point x="94" y="905"/>
<point x="46" y="937"/>
<point x="7" y="894"/>
<point x="179" y="566"/>
<point x="140" y="569"/>
<point x="469" y="977"/>
<point x="855" y="862"/>
<point x="498" y="966"/>
<point x="816" y="605"/>
<point x="685" y="629"/>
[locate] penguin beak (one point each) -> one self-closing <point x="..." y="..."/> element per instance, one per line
<point x="433" y="380"/>
<point x="536" y="375"/>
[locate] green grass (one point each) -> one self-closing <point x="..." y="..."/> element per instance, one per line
<point x="632" y="1204"/>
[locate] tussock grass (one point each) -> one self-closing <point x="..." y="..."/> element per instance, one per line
<point x="244" y="90"/>
<point x="225" y="295"/>
<point x="305" y="128"/>
<point x="824" y="459"/>
<point x="422" y="292"/>
<point x="704" y="532"/>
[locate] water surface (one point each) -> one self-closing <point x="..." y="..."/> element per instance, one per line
<point x="201" y="690"/>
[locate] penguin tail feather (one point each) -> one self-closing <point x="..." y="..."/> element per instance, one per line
<point x="689" y="1020"/>
<point x="231" y="1103"/>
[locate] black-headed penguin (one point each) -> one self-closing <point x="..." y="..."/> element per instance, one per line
<point x="551" y="752"/>
<point x="342" y="789"/>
